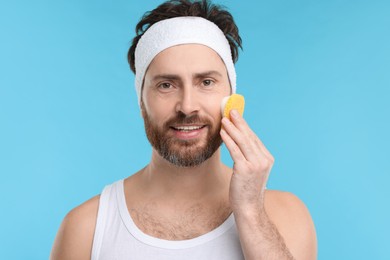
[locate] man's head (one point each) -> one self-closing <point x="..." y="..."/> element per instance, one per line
<point x="183" y="89"/>
<point x="184" y="82"/>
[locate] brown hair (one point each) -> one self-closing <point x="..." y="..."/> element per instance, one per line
<point x="201" y="8"/>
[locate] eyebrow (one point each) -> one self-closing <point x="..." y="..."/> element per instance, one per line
<point x="166" y="77"/>
<point x="208" y="74"/>
<point x="177" y="77"/>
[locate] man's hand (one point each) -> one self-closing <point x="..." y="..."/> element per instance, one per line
<point x="252" y="164"/>
<point x="291" y="232"/>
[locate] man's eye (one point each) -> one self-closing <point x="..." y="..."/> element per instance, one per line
<point x="207" y="82"/>
<point x="165" y="85"/>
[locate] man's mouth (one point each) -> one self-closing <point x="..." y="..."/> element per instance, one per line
<point x="187" y="132"/>
<point x="187" y="128"/>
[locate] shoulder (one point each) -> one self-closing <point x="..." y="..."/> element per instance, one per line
<point x="277" y="200"/>
<point x="75" y="235"/>
<point x="293" y="221"/>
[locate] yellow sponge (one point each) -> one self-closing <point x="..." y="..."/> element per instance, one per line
<point x="234" y="101"/>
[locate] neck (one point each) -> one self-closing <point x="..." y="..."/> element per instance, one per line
<point x="206" y="180"/>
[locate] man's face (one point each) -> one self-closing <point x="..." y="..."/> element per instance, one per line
<point x="181" y="98"/>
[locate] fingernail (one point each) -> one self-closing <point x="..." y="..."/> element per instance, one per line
<point x="234" y="113"/>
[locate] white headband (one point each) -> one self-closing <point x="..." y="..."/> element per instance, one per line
<point x="181" y="30"/>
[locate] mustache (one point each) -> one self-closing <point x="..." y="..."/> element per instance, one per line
<point x="182" y="118"/>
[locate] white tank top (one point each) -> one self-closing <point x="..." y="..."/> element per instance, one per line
<point x="117" y="237"/>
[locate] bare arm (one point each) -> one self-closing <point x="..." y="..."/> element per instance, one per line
<point x="75" y="235"/>
<point x="260" y="237"/>
<point x="284" y="230"/>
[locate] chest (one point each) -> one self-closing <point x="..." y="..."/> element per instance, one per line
<point x="178" y="223"/>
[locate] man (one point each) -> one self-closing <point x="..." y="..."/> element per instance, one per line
<point x="186" y="204"/>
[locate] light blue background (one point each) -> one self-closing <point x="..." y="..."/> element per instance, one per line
<point x="316" y="79"/>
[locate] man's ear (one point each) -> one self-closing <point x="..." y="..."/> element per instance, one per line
<point x="142" y="108"/>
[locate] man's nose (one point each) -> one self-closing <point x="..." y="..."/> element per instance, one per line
<point x="188" y="102"/>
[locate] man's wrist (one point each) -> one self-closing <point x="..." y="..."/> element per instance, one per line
<point x="251" y="213"/>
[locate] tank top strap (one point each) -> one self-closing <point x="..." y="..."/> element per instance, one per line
<point x="107" y="197"/>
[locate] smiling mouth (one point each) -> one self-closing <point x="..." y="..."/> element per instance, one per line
<point x="188" y="128"/>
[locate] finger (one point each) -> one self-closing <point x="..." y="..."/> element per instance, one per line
<point x="245" y="144"/>
<point x="234" y="150"/>
<point x="242" y="125"/>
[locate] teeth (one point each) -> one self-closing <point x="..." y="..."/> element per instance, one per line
<point x="188" y="128"/>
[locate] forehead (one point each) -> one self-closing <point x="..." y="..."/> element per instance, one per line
<point x="186" y="58"/>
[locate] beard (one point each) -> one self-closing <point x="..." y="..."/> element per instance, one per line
<point x="182" y="153"/>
